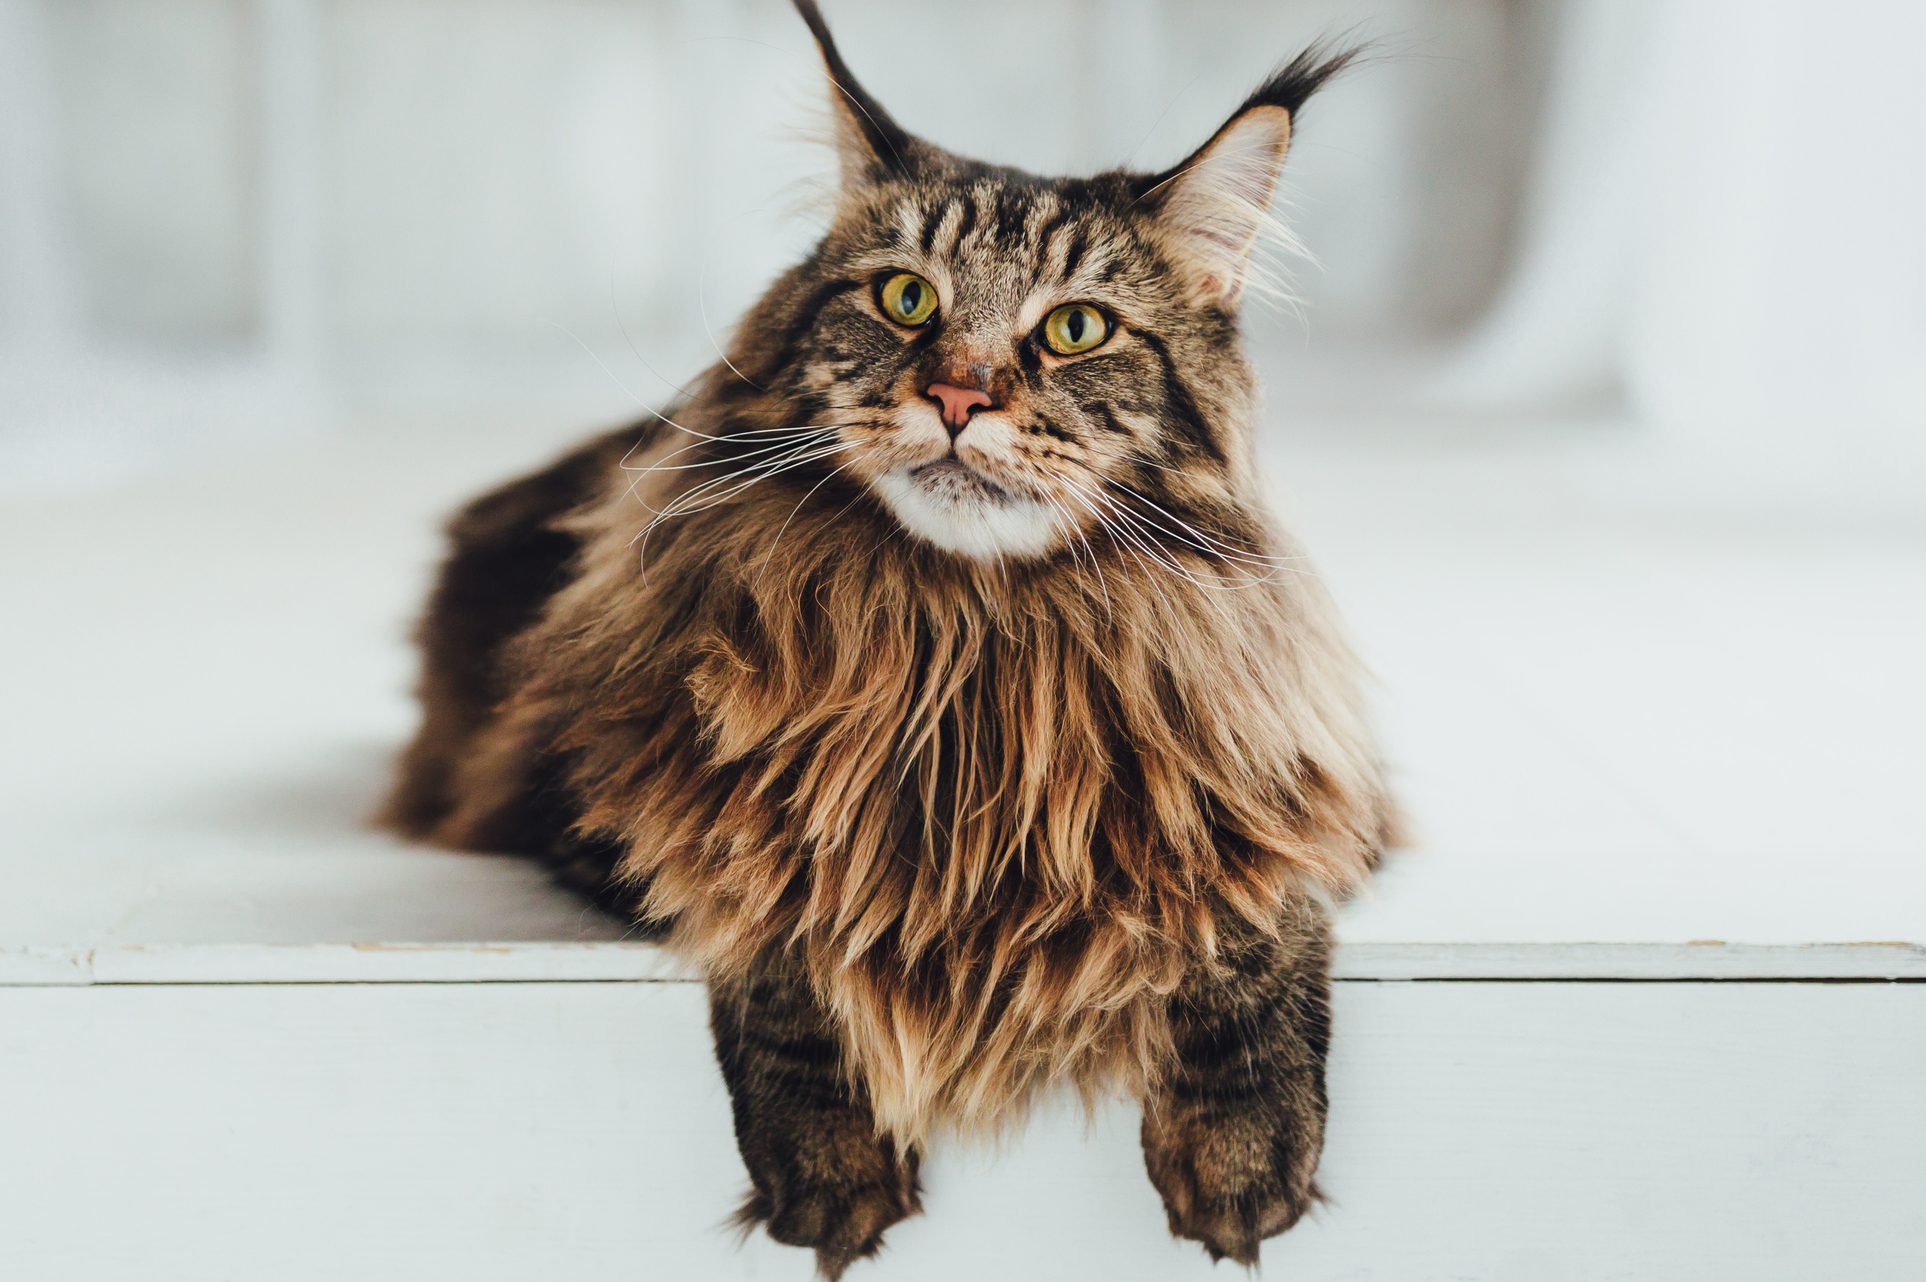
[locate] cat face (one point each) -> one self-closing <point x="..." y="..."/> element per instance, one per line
<point x="1005" y="352"/>
<point x="1012" y="364"/>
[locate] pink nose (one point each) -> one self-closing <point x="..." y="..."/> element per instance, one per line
<point x="958" y="403"/>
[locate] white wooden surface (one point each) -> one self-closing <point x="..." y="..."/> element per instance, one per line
<point x="1499" y="1132"/>
<point x="1619" y="710"/>
<point x="1644" y="737"/>
<point x="615" y="961"/>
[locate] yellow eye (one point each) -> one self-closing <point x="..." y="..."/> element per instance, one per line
<point x="1074" y="328"/>
<point x="907" y="298"/>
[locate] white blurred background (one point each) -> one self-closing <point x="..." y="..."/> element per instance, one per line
<point x="226" y="223"/>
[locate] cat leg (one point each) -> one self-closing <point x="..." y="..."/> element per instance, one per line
<point x="821" y="1174"/>
<point x="1232" y="1132"/>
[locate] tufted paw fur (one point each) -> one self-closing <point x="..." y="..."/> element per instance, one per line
<point x="841" y="1214"/>
<point x="1230" y="1182"/>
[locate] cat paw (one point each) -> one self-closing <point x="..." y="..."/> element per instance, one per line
<point x="1229" y="1187"/>
<point x="842" y="1220"/>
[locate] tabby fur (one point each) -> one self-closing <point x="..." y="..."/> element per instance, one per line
<point x="981" y="818"/>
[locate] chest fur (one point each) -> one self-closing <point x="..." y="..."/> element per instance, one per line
<point x="995" y="822"/>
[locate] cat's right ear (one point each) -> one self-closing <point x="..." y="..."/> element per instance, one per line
<point x="1214" y="203"/>
<point x="870" y="147"/>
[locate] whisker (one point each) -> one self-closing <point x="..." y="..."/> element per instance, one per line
<point x="1109" y="608"/>
<point x="1143" y="535"/>
<point x="622" y="324"/>
<point x="790" y="437"/>
<point x="685" y="500"/>
<point x="1206" y="542"/>
<point x="1121" y="536"/>
<point x="1218" y="544"/>
<point x="627" y="390"/>
<point x="702" y="306"/>
<point x="1149" y="530"/>
<point x="793" y="438"/>
<point x="784" y="528"/>
<point x="1125" y="546"/>
<point x="719" y="490"/>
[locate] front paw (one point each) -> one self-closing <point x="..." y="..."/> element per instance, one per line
<point x="1229" y="1181"/>
<point x="841" y="1212"/>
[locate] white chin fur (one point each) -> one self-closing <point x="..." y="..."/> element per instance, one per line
<point x="969" y="524"/>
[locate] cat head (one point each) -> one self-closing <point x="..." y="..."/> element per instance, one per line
<point x="1011" y="362"/>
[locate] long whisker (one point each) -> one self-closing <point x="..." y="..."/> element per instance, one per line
<point x="1125" y="538"/>
<point x="702" y="306"/>
<point x="1141" y="535"/>
<point x="764" y="447"/>
<point x="627" y="390"/>
<point x="722" y="489"/>
<point x="1220" y="544"/>
<point x="622" y="324"/>
<point x="1076" y="530"/>
<point x="1149" y="531"/>
<point x="789" y="437"/>
<point x="685" y="500"/>
<point x="784" y="528"/>
<point x="1122" y="544"/>
<point x="1192" y="536"/>
<point x="752" y="437"/>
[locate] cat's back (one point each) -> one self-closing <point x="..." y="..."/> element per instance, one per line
<point x="508" y="553"/>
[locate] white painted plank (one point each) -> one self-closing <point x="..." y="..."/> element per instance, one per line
<point x="1504" y="1133"/>
<point x="617" y="962"/>
<point x="388" y="963"/>
<point x="1696" y="960"/>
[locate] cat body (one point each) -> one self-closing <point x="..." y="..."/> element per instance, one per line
<point x="934" y="677"/>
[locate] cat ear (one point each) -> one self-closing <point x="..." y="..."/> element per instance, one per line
<point x="870" y="147"/>
<point x="1214" y="204"/>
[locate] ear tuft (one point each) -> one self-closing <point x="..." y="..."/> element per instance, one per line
<point x="870" y="146"/>
<point x="1292" y="84"/>
<point x="1215" y="204"/>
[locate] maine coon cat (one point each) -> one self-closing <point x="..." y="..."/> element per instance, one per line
<point x="934" y="676"/>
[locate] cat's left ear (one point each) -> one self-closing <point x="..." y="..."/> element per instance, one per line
<point x="870" y="146"/>
<point x="1212" y="206"/>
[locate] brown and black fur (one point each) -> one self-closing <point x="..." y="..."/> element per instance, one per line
<point x="948" y="824"/>
<point x="508" y="558"/>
